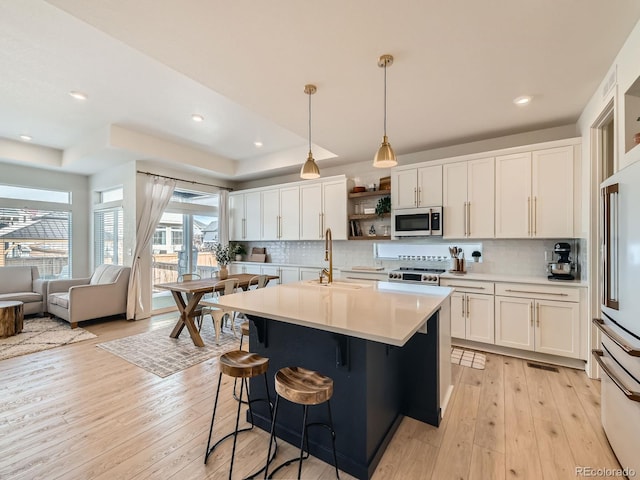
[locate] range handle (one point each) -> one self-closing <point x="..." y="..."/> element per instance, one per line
<point x="616" y="338"/>
<point x="630" y="394"/>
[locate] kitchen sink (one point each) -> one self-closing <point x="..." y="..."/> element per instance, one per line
<point x="338" y="285"/>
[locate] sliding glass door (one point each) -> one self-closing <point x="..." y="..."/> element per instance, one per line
<point x="183" y="242"/>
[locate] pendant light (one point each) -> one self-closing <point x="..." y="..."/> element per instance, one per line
<point x="310" y="168"/>
<point x="385" y="157"/>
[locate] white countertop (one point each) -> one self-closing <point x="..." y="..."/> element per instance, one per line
<point x="492" y="277"/>
<point x="384" y="312"/>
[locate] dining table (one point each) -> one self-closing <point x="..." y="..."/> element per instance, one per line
<point x="193" y="291"/>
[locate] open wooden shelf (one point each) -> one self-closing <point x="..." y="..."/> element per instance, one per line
<point x="368" y="216"/>
<point x="375" y="193"/>
<point x="373" y="237"/>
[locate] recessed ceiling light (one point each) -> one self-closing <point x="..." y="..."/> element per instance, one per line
<point x="197" y="118"/>
<point x="26" y="138"/>
<point x="522" y="100"/>
<point x="78" y="95"/>
<point x="258" y="144"/>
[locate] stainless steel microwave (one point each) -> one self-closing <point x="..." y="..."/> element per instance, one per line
<point x="416" y="222"/>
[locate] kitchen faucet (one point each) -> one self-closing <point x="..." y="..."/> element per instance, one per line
<point x="328" y="256"/>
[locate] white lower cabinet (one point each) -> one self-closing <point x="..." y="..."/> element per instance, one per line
<point x="529" y="318"/>
<point x="472" y="314"/>
<point x="307" y="273"/>
<point x="284" y="274"/>
<point x="236" y="268"/>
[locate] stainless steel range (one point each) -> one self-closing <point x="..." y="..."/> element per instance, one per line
<point x="419" y="275"/>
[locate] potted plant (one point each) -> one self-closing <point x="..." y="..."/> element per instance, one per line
<point x="237" y="249"/>
<point x="223" y="257"/>
<point x="476" y="255"/>
<point x="383" y="206"/>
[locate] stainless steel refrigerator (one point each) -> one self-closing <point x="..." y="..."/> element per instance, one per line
<point x="619" y="355"/>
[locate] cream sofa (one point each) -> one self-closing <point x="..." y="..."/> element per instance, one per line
<point x="24" y="284"/>
<point x="104" y="294"/>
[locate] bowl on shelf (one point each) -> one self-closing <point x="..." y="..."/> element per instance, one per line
<point x="359" y="189"/>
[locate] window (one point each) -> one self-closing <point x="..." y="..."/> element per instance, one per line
<point x="36" y="194"/>
<point x="160" y="237"/>
<point x="113" y="195"/>
<point x="36" y="238"/>
<point x="176" y="237"/>
<point x="109" y="236"/>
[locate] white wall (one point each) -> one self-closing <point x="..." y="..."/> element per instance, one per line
<point x="65" y="182"/>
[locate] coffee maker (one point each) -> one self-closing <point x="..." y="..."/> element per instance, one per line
<point x="563" y="268"/>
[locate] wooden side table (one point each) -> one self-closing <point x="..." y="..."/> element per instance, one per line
<point x="11" y="318"/>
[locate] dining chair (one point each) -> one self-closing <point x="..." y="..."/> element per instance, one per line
<point x="187" y="277"/>
<point x="210" y="306"/>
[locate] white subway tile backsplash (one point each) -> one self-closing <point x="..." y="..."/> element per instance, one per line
<point x="516" y="257"/>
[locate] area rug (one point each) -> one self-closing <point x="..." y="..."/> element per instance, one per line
<point x="162" y="355"/>
<point x="468" y="358"/>
<point x="41" y="334"/>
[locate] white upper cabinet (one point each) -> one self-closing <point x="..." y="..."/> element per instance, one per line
<point x="311" y="212"/>
<point x="535" y="194"/>
<point x="244" y="216"/>
<point x="416" y="187"/>
<point x="281" y="214"/>
<point x="468" y="199"/>
<point x="323" y="205"/>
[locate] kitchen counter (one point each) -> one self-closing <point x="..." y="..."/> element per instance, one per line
<point x="492" y="277"/>
<point x="385" y="312"/>
<point x="386" y="346"/>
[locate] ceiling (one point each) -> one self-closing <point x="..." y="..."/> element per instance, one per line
<point x="147" y="66"/>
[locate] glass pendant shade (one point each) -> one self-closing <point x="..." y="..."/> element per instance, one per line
<point x="310" y="169"/>
<point x="385" y="157"/>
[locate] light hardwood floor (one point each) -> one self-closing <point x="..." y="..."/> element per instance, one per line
<point x="79" y="412"/>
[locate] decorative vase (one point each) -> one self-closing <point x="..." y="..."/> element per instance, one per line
<point x="223" y="273"/>
<point x="238" y="258"/>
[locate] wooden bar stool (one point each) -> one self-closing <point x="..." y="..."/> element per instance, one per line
<point x="243" y="365"/>
<point x="244" y="331"/>
<point x="304" y="387"/>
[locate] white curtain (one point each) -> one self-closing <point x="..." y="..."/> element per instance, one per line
<point x="157" y="193"/>
<point x="223" y="217"/>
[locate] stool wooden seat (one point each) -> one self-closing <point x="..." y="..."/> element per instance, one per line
<point x="307" y="388"/>
<point x="242" y="365"/>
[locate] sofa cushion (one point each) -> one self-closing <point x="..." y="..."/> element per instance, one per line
<point x="105" y="274"/>
<point x="24" y="297"/>
<point x="17" y="279"/>
<point x="60" y="299"/>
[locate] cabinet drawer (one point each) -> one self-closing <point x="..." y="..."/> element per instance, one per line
<point x="468" y="286"/>
<point x="545" y="292"/>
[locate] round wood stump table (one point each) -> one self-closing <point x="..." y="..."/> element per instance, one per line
<point x="11" y="318"/>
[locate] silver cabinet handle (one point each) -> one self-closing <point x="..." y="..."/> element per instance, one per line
<point x="537" y="293"/>
<point x="616" y="338"/>
<point x="463" y="311"/>
<point x="419" y="196"/>
<point x="465" y="286"/>
<point x="529" y="216"/>
<point x="244" y="228"/>
<point x="468" y="310"/>
<point x="535" y="215"/>
<point x="464" y="218"/>
<point x="320" y="225"/>
<point x="415" y="196"/>
<point x="468" y="219"/>
<point x="537" y="314"/>
<point x="630" y="394"/>
<point x="531" y="312"/>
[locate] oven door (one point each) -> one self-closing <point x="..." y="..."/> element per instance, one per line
<point x="417" y="222"/>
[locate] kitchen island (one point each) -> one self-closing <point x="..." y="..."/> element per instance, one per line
<point x="385" y="345"/>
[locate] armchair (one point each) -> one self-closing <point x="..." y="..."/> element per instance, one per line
<point x="102" y="295"/>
